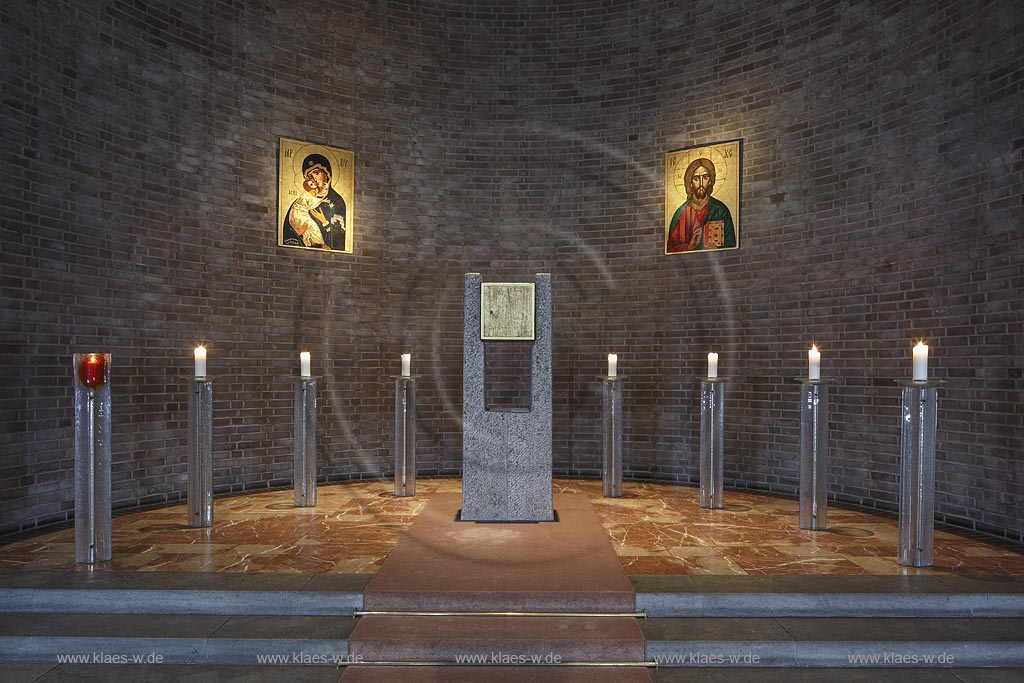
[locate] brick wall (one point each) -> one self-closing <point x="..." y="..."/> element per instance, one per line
<point x="882" y="203"/>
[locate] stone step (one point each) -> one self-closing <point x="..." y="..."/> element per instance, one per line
<point x="345" y="603"/>
<point x="494" y="674"/>
<point x="497" y="640"/>
<point x="882" y="605"/>
<point x="171" y="673"/>
<point x="174" y="639"/>
<point x="266" y="603"/>
<point x="835" y="642"/>
<point x="224" y="581"/>
<point x="673" y="643"/>
<point x="842" y="675"/>
<point x="660" y="596"/>
<point x="830" y="596"/>
<point x="164" y="673"/>
<point x="176" y="593"/>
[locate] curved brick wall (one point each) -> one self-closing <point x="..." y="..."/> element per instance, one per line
<point x="882" y="203"/>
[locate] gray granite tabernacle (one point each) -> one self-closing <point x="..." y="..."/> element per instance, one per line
<point x="506" y="456"/>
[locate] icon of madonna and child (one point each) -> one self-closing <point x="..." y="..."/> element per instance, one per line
<point x="701" y="193"/>
<point x="315" y="197"/>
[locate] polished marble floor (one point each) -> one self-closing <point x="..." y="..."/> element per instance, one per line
<point x="655" y="529"/>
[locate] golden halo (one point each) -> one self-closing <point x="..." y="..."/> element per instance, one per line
<point x="304" y="151"/>
<point x="723" y="167"/>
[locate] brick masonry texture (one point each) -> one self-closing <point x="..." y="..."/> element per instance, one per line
<point x="881" y="203"/>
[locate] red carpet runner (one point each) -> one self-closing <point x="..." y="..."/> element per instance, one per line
<point x="445" y="565"/>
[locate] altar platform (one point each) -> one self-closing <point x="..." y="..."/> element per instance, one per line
<point x="648" y="587"/>
<point x="656" y="529"/>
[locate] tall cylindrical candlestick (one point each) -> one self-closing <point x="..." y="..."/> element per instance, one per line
<point x="613" y="364"/>
<point x="920" y="362"/>
<point x="405" y="435"/>
<point x="712" y="428"/>
<point x="200" y="451"/>
<point x="92" y="458"/>
<point x="814" y="363"/>
<point x="918" y="422"/>
<point x="406" y="364"/>
<point x="712" y="365"/>
<point x="304" y="477"/>
<point x="304" y="364"/>
<point x="611" y="428"/>
<point x="200" y="354"/>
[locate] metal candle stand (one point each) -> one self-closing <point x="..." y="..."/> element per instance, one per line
<point x="813" y="454"/>
<point x="917" y="472"/>
<point x="304" y="477"/>
<point x="92" y="458"/>
<point x="200" y="452"/>
<point x="611" y="423"/>
<point x="405" y="435"/>
<point x="712" y="425"/>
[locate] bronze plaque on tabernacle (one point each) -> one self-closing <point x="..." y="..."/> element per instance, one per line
<point x="507" y="311"/>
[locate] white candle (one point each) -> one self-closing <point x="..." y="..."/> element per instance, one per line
<point x="304" y="364"/>
<point x="613" y="364"/>
<point x="406" y="364"/>
<point x="813" y="363"/>
<point x="921" y="362"/>
<point x="200" y="361"/>
<point x="712" y="365"/>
